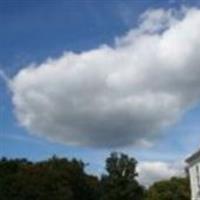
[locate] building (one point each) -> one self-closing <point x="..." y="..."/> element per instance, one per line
<point x="194" y="173"/>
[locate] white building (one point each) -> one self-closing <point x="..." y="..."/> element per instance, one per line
<point x="194" y="173"/>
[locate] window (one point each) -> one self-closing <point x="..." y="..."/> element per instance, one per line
<point x="198" y="176"/>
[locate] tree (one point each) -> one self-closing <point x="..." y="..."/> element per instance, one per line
<point x="63" y="179"/>
<point x="120" y="181"/>
<point x="173" y="189"/>
<point x="54" y="179"/>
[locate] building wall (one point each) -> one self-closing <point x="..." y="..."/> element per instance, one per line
<point x="194" y="171"/>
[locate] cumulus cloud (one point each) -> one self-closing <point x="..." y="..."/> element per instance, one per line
<point x="120" y="95"/>
<point x="152" y="171"/>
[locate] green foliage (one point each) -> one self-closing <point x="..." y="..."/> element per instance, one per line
<point x="63" y="179"/>
<point x="173" y="189"/>
<point x="120" y="182"/>
<point x="55" y="179"/>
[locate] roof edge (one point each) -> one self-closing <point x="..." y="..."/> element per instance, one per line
<point x="193" y="156"/>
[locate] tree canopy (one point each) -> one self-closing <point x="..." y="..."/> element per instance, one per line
<point x="173" y="189"/>
<point x="56" y="179"/>
<point x="63" y="179"/>
<point x="120" y="181"/>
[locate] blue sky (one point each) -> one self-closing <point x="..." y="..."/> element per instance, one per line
<point x="32" y="31"/>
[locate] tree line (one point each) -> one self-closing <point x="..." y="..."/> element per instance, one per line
<point x="64" y="179"/>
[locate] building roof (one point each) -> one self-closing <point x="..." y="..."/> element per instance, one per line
<point x="193" y="157"/>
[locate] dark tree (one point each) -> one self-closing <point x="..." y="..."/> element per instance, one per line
<point x="120" y="181"/>
<point x="63" y="179"/>
<point x="54" y="179"/>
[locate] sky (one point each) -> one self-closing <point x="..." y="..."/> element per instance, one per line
<point x="85" y="78"/>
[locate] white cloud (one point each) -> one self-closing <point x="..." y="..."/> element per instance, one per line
<point x="116" y="96"/>
<point x="152" y="171"/>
